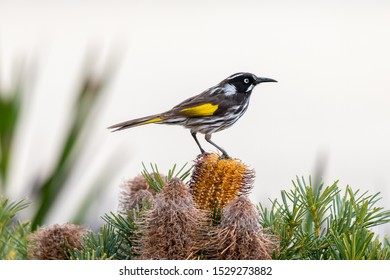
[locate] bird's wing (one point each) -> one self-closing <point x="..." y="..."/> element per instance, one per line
<point x="202" y="105"/>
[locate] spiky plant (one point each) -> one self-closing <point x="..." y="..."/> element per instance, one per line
<point x="318" y="222"/>
<point x="215" y="182"/>
<point x="134" y="192"/>
<point x="52" y="243"/>
<point x="13" y="233"/>
<point x="239" y="235"/>
<point x="172" y="227"/>
<point x="113" y="241"/>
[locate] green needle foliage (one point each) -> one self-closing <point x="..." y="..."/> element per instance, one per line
<point x="306" y="223"/>
<point x="318" y="222"/>
<point x="13" y="234"/>
<point x="157" y="182"/>
<point x="125" y="228"/>
<point x="113" y="241"/>
<point x="103" y="245"/>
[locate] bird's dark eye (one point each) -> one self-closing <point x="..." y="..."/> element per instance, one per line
<point x="246" y="80"/>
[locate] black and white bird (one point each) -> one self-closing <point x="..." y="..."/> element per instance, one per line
<point x="213" y="110"/>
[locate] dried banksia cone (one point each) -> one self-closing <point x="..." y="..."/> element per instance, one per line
<point x="239" y="235"/>
<point x="217" y="181"/>
<point x="135" y="191"/>
<point x="138" y="200"/>
<point x="52" y="243"/>
<point x="172" y="228"/>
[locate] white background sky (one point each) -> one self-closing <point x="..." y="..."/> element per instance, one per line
<point x="331" y="59"/>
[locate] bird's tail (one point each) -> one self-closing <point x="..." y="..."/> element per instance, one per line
<point x="136" y="122"/>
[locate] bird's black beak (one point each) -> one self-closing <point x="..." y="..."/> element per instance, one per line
<point x="264" y="80"/>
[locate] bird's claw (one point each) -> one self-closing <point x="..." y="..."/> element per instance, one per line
<point x="224" y="156"/>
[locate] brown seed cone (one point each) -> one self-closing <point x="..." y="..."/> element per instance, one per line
<point x="172" y="229"/>
<point x="140" y="198"/>
<point x="239" y="236"/>
<point x="51" y="243"/>
<point x="133" y="192"/>
<point x="217" y="181"/>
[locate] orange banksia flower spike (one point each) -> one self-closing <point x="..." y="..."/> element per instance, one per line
<point x="215" y="182"/>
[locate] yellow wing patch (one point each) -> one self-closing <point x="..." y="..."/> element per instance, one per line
<point x="203" y="110"/>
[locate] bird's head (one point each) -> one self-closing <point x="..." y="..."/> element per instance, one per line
<point x="243" y="82"/>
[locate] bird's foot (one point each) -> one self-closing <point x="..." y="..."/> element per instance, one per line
<point x="224" y="156"/>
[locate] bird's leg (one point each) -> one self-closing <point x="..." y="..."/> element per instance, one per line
<point x="193" y="133"/>
<point x="224" y="153"/>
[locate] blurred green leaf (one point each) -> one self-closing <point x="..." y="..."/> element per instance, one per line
<point x="45" y="191"/>
<point x="10" y="107"/>
<point x="51" y="187"/>
<point x="90" y="91"/>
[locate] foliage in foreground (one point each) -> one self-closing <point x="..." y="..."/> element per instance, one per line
<point x="307" y="222"/>
<point x="13" y="234"/>
<point x="318" y="222"/>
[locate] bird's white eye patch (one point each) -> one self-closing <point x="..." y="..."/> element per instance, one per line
<point x="246" y="80"/>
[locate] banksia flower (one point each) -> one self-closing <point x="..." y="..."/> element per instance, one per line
<point x="217" y="181"/>
<point x="239" y="236"/>
<point x="51" y="243"/>
<point x="171" y="229"/>
<point x="135" y="191"/>
<point x="139" y="199"/>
